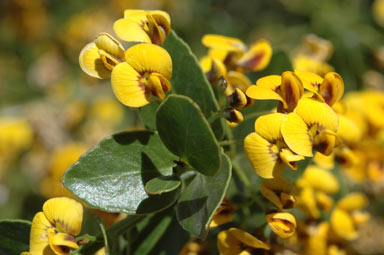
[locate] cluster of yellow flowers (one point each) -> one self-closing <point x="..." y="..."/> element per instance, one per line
<point x="143" y="70"/>
<point x="228" y="59"/>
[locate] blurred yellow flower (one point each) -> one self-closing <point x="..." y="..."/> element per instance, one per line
<point x="265" y="148"/>
<point x="236" y="241"/>
<point x="146" y="72"/>
<point x="306" y="63"/>
<point x="278" y="191"/>
<point x="316" y="243"/>
<point x="54" y="229"/>
<point x="235" y="54"/>
<point x="143" y="26"/>
<point x="107" y="110"/>
<point x="282" y="224"/>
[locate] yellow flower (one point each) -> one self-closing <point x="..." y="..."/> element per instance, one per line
<point x="265" y="148"/>
<point x="378" y="12"/>
<point x="143" y="26"/>
<point x="54" y="229"/>
<point x="287" y="88"/>
<point x="99" y="57"/>
<point x="311" y="126"/>
<point x="282" y="224"/>
<point x="306" y="63"/>
<point x="235" y="54"/>
<point x="316" y="243"/>
<point x="146" y="72"/>
<point x="328" y="90"/>
<point x="321" y="180"/>
<point x="278" y="191"/>
<point x="236" y="241"/>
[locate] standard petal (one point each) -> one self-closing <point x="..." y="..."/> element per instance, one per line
<point x="296" y="135"/>
<point x="65" y="214"/>
<point x="257" y="57"/>
<point x="146" y="57"/>
<point x="317" y="113"/>
<point x="270" y="82"/>
<point x="291" y="89"/>
<point x="91" y="62"/>
<point x="248" y="239"/>
<point x="129" y="30"/>
<point x="268" y="126"/>
<point x="223" y="42"/>
<point x="332" y="88"/>
<point x="39" y="242"/>
<point x="311" y="81"/>
<point x="127" y="87"/>
<point x="263" y="156"/>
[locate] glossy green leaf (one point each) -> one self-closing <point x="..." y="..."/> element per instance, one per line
<point x="201" y="198"/>
<point x="112" y="175"/>
<point x="162" y="184"/>
<point x="14" y="236"/>
<point x="147" y="115"/>
<point x="185" y="132"/>
<point x="189" y="79"/>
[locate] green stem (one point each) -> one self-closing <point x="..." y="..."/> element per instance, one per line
<point x="215" y="116"/>
<point x="105" y="238"/>
<point x="226" y="142"/>
<point x="113" y="232"/>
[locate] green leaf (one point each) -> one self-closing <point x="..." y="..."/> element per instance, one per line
<point x="147" y="114"/>
<point x="162" y="184"/>
<point x="14" y="236"/>
<point x="201" y="198"/>
<point x="185" y="132"/>
<point x="189" y="79"/>
<point x="112" y="175"/>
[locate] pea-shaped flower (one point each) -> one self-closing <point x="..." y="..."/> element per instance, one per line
<point x="143" y="26"/>
<point x="99" y="57"/>
<point x="313" y="125"/>
<point x="54" y="229"/>
<point x="283" y="224"/>
<point x="265" y="148"/>
<point x="145" y="73"/>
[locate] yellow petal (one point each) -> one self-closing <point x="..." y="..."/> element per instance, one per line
<point x="360" y="218"/>
<point x="270" y="81"/>
<point x="262" y="156"/>
<point x="271" y="195"/>
<point x="144" y="57"/>
<point x="247" y="239"/>
<point x="128" y="13"/>
<point x="91" y="62"/>
<point x="282" y="224"/>
<point x="342" y="224"/>
<point x="326" y="162"/>
<point x="352" y="201"/>
<point x="324" y="142"/>
<point x="317" y="240"/>
<point x="227" y="244"/>
<point x="39" y="241"/>
<point x="238" y="80"/>
<point x="257" y="57"/>
<point x="163" y="19"/>
<point x="223" y="42"/>
<point x="268" y="126"/>
<point x="290" y="158"/>
<point x="237" y="99"/>
<point x="317" y="113"/>
<point x="214" y="69"/>
<point x="348" y="130"/>
<point x="321" y="179"/>
<point x="311" y="81"/>
<point x="61" y="243"/>
<point x="335" y="250"/>
<point x="261" y="93"/>
<point x="159" y="26"/>
<point x="291" y="89"/>
<point x="220" y="54"/>
<point x="159" y="85"/>
<point x="295" y="133"/>
<point x="307" y="201"/>
<point x="332" y="88"/>
<point x="106" y="42"/>
<point x="233" y="116"/>
<point x="324" y="201"/>
<point x="108" y="60"/>
<point x="129" y="30"/>
<point x="127" y="88"/>
<point x="65" y="214"/>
